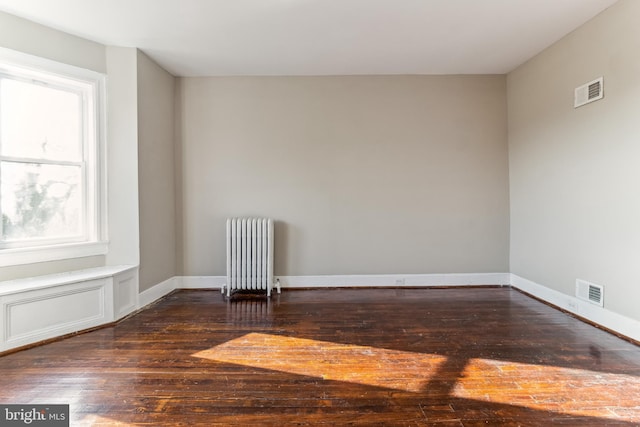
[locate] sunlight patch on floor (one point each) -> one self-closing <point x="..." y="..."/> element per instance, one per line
<point x="535" y="386"/>
<point x="399" y="370"/>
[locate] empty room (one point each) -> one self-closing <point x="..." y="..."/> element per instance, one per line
<point x="319" y="212"/>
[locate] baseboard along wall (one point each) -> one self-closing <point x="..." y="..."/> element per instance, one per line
<point x="83" y="300"/>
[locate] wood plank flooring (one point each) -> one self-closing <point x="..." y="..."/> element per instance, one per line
<point x="374" y="357"/>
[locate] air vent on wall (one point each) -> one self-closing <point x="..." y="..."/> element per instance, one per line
<point x="588" y="92"/>
<point x="590" y="292"/>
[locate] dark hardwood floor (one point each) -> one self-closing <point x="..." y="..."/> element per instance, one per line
<point x="441" y="357"/>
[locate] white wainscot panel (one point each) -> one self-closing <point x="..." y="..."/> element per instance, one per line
<point x="41" y="314"/>
<point x="125" y="293"/>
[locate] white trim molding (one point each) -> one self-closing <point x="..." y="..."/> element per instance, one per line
<point x="19" y="256"/>
<point x="154" y="293"/>
<point x="608" y="319"/>
<point x="394" y="280"/>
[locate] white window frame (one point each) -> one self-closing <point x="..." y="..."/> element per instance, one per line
<point x="93" y="84"/>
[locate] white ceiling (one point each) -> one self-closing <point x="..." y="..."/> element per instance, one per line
<point x="320" y="37"/>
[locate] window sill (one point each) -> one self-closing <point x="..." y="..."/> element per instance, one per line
<point x="21" y="256"/>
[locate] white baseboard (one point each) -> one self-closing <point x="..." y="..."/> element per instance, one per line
<point x="394" y="280"/>
<point x="359" y="280"/>
<point x="601" y="316"/>
<point x="156" y="292"/>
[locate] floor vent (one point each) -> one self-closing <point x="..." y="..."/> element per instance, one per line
<point x="588" y="92"/>
<point x="590" y="292"/>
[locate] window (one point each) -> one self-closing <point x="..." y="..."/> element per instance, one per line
<point x="51" y="191"/>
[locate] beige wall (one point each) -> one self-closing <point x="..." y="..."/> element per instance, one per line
<point x="156" y="177"/>
<point x="384" y="174"/>
<point x="574" y="174"/>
